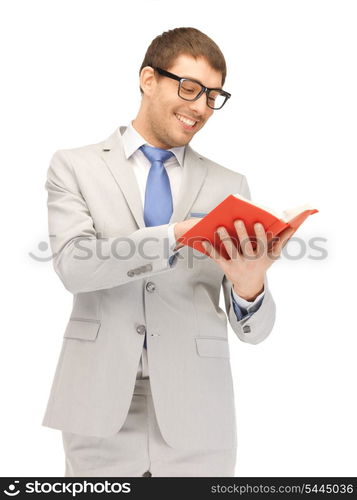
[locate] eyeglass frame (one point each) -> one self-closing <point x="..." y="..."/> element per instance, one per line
<point x="203" y="90"/>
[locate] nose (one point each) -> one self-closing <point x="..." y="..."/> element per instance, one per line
<point x="200" y="106"/>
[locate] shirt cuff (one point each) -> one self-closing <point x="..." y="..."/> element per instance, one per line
<point x="172" y="243"/>
<point x="243" y="311"/>
<point x="171" y="236"/>
<point x="246" y="304"/>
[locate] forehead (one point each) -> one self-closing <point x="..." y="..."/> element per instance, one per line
<point x="199" y="69"/>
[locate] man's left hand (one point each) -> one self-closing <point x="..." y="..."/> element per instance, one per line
<point x="246" y="270"/>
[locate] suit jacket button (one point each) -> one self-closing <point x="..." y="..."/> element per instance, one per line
<point x="246" y="328"/>
<point x="130" y="273"/>
<point x="141" y="329"/>
<point x="150" y="286"/>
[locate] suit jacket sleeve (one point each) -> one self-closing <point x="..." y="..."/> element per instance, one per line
<point x="84" y="261"/>
<point x="255" y="327"/>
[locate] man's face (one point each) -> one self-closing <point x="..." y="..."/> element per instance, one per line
<point x="166" y="112"/>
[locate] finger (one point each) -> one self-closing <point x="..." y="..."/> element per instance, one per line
<point x="262" y="240"/>
<point x="244" y="240"/>
<point x="227" y="242"/>
<point x="212" y="252"/>
<point x="282" y="240"/>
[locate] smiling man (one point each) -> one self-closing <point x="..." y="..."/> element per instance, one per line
<point x="143" y="384"/>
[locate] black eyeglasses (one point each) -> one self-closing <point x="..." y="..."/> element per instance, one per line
<point x="191" y="90"/>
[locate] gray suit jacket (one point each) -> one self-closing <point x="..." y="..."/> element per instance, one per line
<point x="123" y="285"/>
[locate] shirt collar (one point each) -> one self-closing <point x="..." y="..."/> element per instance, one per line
<point x="132" y="141"/>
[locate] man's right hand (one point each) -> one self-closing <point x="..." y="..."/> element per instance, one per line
<point x="181" y="228"/>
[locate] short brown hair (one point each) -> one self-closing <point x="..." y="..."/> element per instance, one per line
<point x="165" y="48"/>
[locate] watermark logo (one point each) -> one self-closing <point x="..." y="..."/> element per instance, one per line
<point x="12" y="490"/>
<point x="150" y="249"/>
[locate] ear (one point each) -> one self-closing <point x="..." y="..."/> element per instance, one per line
<point x="148" y="80"/>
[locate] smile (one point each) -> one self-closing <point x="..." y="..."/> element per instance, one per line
<point x="190" y="124"/>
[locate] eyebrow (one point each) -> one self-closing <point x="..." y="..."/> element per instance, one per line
<point x="195" y="80"/>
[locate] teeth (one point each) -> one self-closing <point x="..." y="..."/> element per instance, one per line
<point x="186" y="120"/>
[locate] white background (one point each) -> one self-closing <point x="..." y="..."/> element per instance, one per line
<point x="69" y="78"/>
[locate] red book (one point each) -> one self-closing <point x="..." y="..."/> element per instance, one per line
<point x="236" y="207"/>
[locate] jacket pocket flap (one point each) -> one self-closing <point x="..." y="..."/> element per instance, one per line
<point x="82" y="329"/>
<point x="212" y="347"/>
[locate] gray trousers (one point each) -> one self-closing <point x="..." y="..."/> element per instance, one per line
<point x="139" y="449"/>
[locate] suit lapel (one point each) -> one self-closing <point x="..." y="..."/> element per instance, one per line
<point x="194" y="173"/>
<point x="123" y="173"/>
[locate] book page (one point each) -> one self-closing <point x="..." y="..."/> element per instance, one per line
<point x="293" y="212"/>
<point x="286" y="215"/>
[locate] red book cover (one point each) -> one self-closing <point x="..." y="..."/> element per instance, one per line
<point x="233" y="208"/>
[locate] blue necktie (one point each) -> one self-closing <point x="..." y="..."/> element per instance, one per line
<point x="158" y="199"/>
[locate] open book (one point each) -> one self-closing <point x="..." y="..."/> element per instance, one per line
<point x="235" y="207"/>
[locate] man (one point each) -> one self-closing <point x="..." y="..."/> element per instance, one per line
<point x="143" y="384"/>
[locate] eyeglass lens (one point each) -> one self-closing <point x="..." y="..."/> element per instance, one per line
<point x="189" y="90"/>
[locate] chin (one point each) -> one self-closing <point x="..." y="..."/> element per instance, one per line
<point x="181" y="143"/>
<point x="174" y="142"/>
<point x="183" y="139"/>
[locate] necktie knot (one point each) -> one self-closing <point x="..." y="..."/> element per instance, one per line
<point x="156" y="154"/>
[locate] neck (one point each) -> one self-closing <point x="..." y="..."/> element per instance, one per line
<point x="141" y="127"/>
